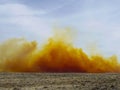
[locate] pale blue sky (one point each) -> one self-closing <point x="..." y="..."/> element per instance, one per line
<point x="96" y="21"/>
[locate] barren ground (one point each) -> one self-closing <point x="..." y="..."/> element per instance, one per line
<point x="59" y="81"/>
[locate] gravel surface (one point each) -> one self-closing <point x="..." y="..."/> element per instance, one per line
<point x="59" y="81"/>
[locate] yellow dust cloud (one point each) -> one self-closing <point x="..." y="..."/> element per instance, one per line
<point x="57" y="55"/>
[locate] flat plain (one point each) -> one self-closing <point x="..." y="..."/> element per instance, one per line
<point x="59" y="81"/>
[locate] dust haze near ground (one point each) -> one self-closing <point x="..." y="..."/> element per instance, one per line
<point x="59" y="81"/>
<point x="58" y="54"/>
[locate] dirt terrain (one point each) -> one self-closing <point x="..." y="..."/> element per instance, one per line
<point x="59" y="81"/>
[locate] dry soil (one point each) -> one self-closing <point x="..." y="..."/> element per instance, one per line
<point x="59" y="81"/>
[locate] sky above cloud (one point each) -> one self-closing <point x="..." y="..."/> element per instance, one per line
<point x="96" y="21"/>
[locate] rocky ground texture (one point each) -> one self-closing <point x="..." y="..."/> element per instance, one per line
<point x="59" y="81"/>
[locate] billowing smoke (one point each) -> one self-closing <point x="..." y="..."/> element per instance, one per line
<point x="57" y="55"/>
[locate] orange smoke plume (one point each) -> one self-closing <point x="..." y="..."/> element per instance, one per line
<point x="57" y="55"/>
